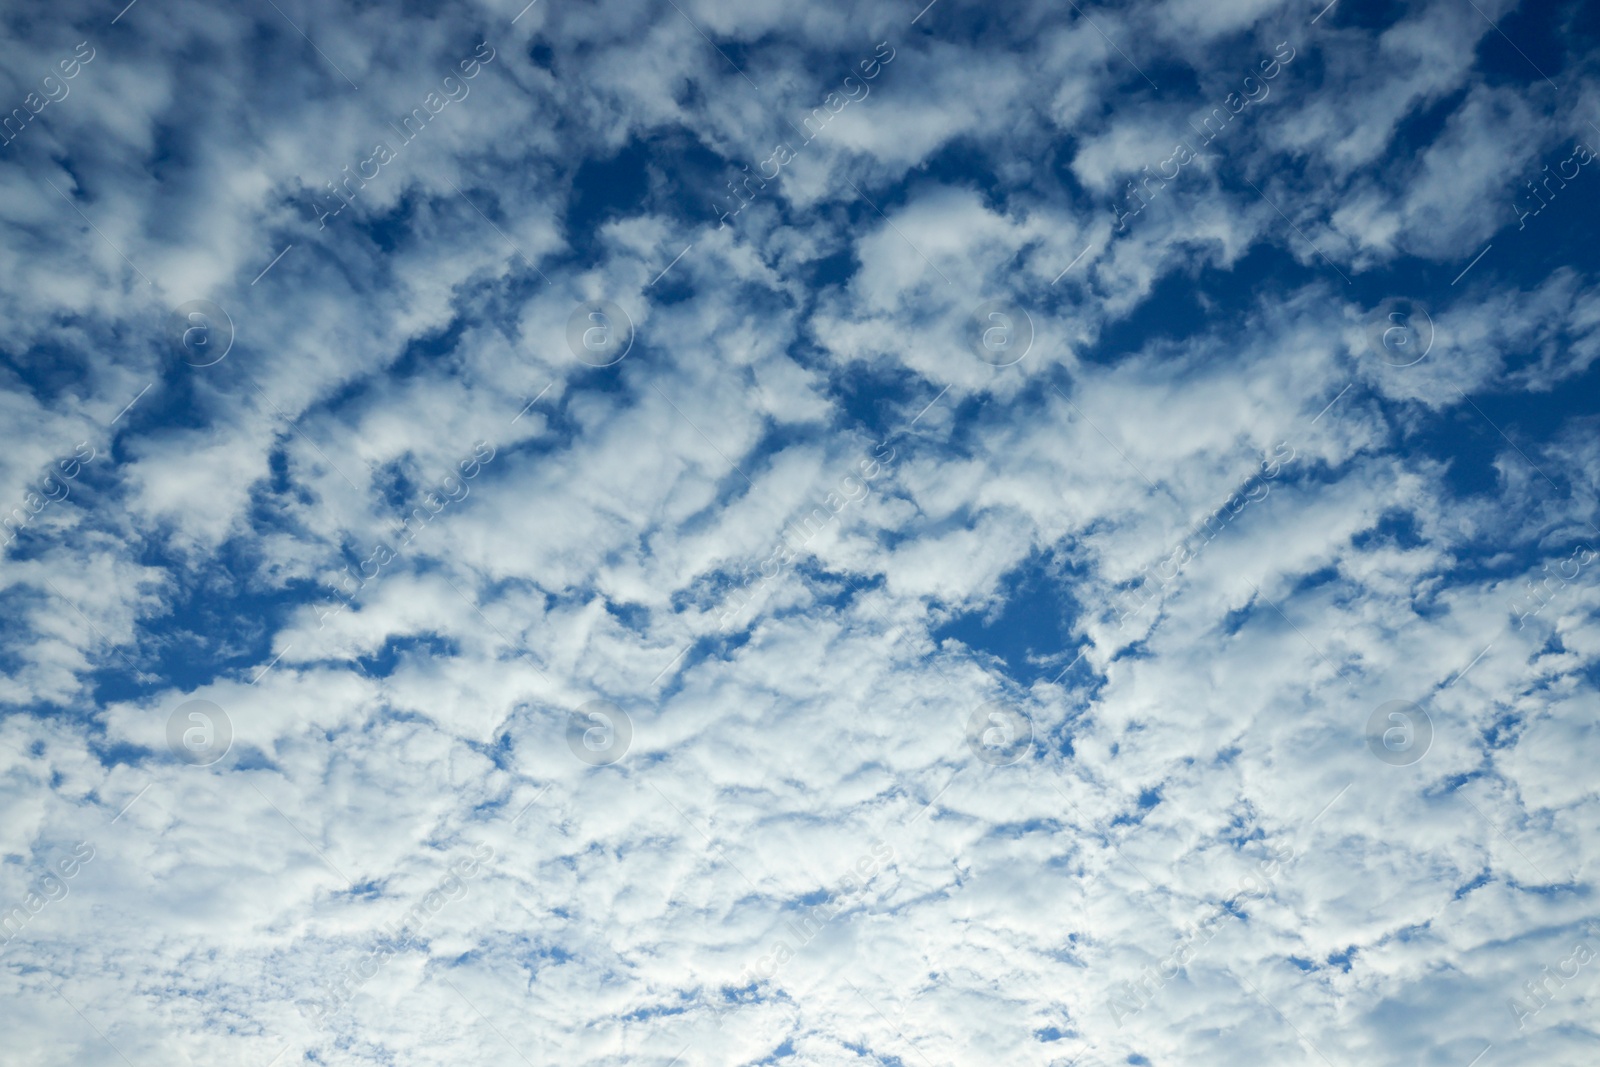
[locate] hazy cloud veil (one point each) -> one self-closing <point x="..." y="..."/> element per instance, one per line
<point x="680" y="532"/>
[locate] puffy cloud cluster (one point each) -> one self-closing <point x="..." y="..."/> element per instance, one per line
<point x="1317" y="791"/>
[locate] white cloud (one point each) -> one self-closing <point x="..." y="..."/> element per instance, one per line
<point x="596" y="555"/>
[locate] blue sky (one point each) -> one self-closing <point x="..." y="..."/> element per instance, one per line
<point x="1058" y="534"/>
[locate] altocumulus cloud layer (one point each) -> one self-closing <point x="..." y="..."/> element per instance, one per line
<point x="683" y="532"/>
